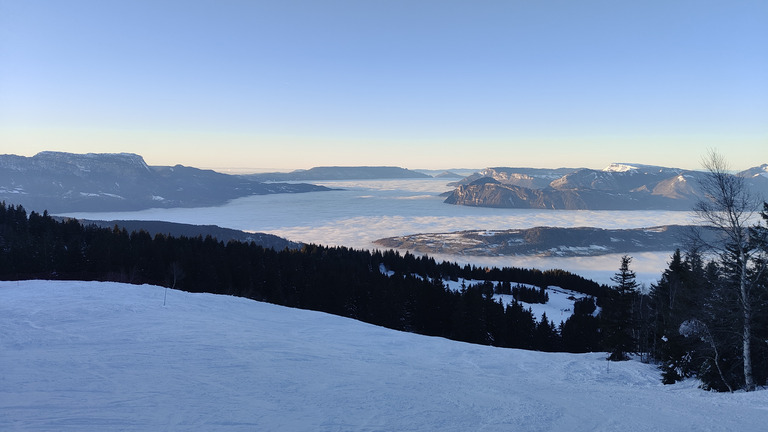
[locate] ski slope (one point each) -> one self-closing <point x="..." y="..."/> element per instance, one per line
<point x="89" y="356"/>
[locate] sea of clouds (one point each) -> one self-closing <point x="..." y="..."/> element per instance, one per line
<point x="356" y="213"/>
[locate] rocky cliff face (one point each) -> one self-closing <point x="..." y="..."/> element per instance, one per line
<point x="66" y="182"/>
<point x="532" y="178"/>
<point x="487" y="192"/>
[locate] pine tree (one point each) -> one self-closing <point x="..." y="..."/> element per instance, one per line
<point x="618" y="320"/>
<point x="674" y="299"/>
<point x="581" y="332"/>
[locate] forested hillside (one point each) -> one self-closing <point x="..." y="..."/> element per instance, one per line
<point x="403" y="292"/>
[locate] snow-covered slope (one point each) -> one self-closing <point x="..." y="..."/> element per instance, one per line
<point x="558" y="309"/>
<point x="86" y="356"/>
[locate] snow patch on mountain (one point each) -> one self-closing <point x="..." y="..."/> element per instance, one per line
<point x="620" y="167"/>
<point x="764" y="173"/>
<point x="623" y="167"/>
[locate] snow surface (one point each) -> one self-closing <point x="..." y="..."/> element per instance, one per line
<point x="89" y="356"/>
<point x="619" y="167"/>
<point x="625" y="167"/>
<point x="558" y="309"/>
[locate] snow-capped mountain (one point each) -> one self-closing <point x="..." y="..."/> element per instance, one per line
<point x="636" y="168"/>
<point x="61" y="182"/>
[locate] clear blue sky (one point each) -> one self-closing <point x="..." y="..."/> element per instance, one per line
<point x="420" y="84"/>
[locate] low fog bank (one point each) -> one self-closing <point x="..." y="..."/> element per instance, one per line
<point x="364" y="211"/>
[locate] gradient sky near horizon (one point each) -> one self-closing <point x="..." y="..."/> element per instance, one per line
<point x="419" y="84"/>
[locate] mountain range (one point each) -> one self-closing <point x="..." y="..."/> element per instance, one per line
<point x="340" y="173"/>
<point x="617" y="187"/>
<point x="63" y="182"/>
<point x="66" y="182"/>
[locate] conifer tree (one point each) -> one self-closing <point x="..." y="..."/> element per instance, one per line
<point x="581" y="332"/>
<point x="674" y="299"/>
<point x="618" y="320"/>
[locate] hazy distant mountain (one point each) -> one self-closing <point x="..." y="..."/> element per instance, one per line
<point x="448" y="175"/>
<point x="66" y="182"/>
<point x="340" y="173"/>
<point x="617" y="187"/>
<point x="457" y="173"/>
<point x="544" y="241"/>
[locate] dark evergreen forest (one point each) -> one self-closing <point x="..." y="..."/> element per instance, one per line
<point x="402" y="292"/>
<point x="696" y="321"/>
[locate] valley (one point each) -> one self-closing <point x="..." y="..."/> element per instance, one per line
<point x="356" y="213"/>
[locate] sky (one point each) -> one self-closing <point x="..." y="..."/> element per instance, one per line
<point x="429" y="84"/>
